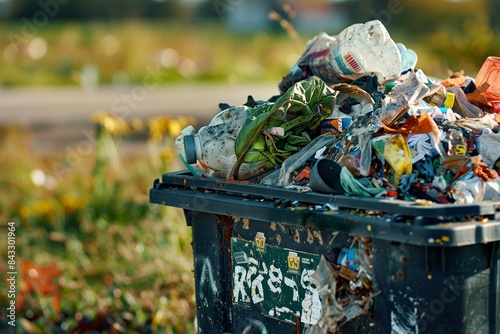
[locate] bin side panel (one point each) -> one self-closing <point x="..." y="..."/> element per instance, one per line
<point x="268" y="312"/>
<point x="422" y="289"/>
<point x="495" y="295"/>
<point x="433" y="289"/>
<point x="210" y="272"/>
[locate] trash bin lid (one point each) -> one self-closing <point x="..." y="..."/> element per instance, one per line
<point x="443" y="225"/>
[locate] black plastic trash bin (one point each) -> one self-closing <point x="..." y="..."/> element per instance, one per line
<point x="435" y="268"/>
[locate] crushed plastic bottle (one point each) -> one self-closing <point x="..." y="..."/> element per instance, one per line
<point x="358" y="50"/>
<point x="210" y="152"/>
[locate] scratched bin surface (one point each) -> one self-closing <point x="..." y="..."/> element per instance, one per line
<point x="271" y="260"/>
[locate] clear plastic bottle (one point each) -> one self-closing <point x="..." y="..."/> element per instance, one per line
<point x="210" y="152"/>
<point x="488" y="81"/>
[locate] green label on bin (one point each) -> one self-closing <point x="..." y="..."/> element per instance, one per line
<point x="277" y="279"/>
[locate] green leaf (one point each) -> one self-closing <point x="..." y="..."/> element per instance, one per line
<point x="301" y="108"/>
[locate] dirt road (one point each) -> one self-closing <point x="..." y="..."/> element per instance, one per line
<point x="58" y="116"/>
<point x="72" y="105"/>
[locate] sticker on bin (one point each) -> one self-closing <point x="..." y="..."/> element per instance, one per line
<point x="240" y="257"/>
<point x="293" y="263"/>
<point x="278" y="280"/>
<point x="260" y="242"/>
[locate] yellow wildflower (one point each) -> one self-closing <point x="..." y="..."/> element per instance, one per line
<point x="160" y="126"/>
<point x="71" y="204"/>
<point x="24" y="211"/>
<point x="112" y="124"/>
<point x="45" y="208"/>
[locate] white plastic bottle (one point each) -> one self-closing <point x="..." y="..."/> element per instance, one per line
<point x="360" y="49"/>
<point x="365" y="48"/>
<point x="210" y="152"/>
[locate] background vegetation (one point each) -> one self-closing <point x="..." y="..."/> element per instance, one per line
<point x="127" y="265"/>
<point x="209" y="42"/>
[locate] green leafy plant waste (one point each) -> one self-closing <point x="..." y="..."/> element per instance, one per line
<point x="301" y="108"/>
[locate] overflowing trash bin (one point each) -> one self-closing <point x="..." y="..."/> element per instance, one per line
<point x="363" y="198"/>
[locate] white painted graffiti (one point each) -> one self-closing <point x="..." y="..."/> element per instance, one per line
<point x="257" y="290"/>
<point x="239" y="289"/>
<point x="207" y="278"/>
<point x="250" y="278"/>
<point x="275" y="279"/>
<point x="291" y="283"/>
<point x="304" y="280"/>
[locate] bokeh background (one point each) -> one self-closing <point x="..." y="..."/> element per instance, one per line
<point x="92" y="95"/>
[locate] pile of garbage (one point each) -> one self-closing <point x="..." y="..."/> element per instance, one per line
<point x="344" y="282"/>
<point x="385" y="129"/>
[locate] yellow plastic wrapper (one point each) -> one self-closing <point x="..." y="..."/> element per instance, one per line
<point x="394" y="149"/>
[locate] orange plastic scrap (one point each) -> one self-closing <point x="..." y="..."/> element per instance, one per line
<point x="491" y="96"/>
<point x="42" y="281"/>
<point x="482" y="170"/>
<point x="303" y="174"/>
<point x="478" y="99"/>
<point x="416" y="125"/>
<point x="455" y="79"/>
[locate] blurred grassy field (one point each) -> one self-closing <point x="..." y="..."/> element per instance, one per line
<point x="126" y="264"/>
<point x="68" y="53"/>
<point x="121" y="52"/>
